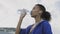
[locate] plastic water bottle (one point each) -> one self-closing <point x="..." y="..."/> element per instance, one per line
<point x="23" y="10"/>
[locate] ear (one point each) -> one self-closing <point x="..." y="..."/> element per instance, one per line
<point x="40" y="12"/>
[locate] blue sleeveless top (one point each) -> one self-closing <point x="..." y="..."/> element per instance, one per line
<point x="42" y="28"/>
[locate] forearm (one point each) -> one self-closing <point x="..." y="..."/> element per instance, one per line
<point x="18" y="26"/>
<point x="20" y="21"/>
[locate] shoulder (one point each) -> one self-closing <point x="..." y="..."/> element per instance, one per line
<point x="44" y="23"/>
<point x="47" y="27"/>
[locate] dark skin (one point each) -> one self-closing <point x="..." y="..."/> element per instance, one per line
<point x="36" y="14"/>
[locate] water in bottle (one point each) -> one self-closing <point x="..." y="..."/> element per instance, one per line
<point x="23" y="10"/>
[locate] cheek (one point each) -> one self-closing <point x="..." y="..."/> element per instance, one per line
<point x="34" y="13"/>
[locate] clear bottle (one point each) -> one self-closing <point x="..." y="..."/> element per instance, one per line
<point x="23" y="10"/>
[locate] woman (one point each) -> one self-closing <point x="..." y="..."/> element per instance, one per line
<point x="41" y="26"/>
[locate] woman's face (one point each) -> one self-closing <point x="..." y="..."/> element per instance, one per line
<point x="36" y="11"/>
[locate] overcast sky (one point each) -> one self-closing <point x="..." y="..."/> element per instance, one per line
<point x="9" y="15"/>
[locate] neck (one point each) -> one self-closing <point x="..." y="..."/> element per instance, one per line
<point x="38" y="19"/>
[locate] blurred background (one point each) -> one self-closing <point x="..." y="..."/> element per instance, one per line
<point x="9" y="16"/>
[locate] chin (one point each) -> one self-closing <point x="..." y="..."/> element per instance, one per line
<point x="32" y="16"/>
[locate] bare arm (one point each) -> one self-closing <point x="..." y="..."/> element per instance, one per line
<point x="18" y="28"/>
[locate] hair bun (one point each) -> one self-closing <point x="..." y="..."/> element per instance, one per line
<point x="46" y="16"/>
